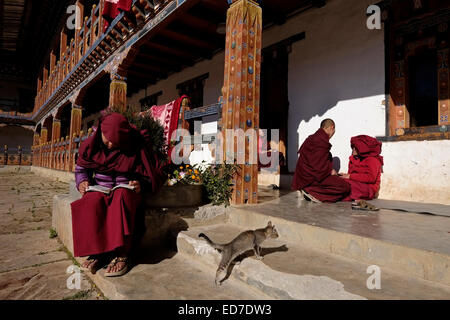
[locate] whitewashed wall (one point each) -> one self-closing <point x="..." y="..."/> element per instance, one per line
<point x="336" y="72"/>
<point x="416" y="171"/>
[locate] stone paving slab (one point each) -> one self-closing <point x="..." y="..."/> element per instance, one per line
<point x="33" y="266"/>
<point x="27" y="249"/>
<point x="46" y="282"/>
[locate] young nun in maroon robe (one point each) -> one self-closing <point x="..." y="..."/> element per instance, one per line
<point x="314" y="175"/>
<point x="364" y="168"/>
<point x="117" y="153"/>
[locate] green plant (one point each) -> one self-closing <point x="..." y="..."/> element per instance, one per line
<point x="53" y="233"/>
<point x="183" y="174"/>
<point x="217" y="180"/>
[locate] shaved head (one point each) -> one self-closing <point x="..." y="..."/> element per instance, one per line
<point x="327" y="123"/>
<point x="328" y="126"/>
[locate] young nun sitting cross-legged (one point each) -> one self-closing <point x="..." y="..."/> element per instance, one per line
<point x="105" y="226"/>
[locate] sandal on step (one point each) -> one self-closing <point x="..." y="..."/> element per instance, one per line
<point x="93" y="265"/>
<point x="363" y="205"/>
<point x="121" y="271"/>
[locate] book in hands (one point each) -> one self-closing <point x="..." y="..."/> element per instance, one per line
<point x="107" y="190"/>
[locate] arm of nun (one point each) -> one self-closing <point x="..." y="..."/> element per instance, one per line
<point x="82" y="174"/>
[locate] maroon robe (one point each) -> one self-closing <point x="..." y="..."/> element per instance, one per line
<point x="100" y="222"/>
<point x="313" y="171"/>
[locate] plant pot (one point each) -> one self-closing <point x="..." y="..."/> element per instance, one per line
<point x="176" y="196"/>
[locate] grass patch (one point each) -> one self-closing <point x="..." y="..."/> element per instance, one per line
<point x="53" y="233"/>
<point x="80" y="295"/>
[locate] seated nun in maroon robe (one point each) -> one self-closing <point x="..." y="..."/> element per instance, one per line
<point x="314" y="175"/>
<point x="364" y="168"/>
<point x="107" y="225"/>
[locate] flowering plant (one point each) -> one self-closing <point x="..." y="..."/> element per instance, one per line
<point x="184" y="174"/>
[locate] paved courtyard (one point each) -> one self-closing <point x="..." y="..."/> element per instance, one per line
<point x="33" y="264"/>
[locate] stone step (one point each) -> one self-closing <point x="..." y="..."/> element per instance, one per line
<point x="170" y="277"/>
<point x="294" y="271"/>
<point x="417" y="245"/>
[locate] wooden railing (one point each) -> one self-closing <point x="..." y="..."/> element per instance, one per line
<point x="15" y="156"/>
<point x="89" y="48"/>
<point x="15" y="114"/>
<point x="60" y="154"/>
<point x="70" y="54"/>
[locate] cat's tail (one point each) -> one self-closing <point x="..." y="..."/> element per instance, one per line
<point x="212" y="244"/>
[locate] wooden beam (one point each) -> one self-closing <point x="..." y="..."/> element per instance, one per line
<point x="193" y="41"/>
<point x="149" y="66"/>
<point x="174" y="52"/>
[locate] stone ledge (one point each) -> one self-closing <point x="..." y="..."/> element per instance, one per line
<point x="414" y="262"/>
<point x="260" y="277"/>
<point x="58" y="175"/>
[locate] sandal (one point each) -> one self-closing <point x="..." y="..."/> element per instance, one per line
<point x="92" y="266"/>
<point x="121" y="271"/>
<point x="363" y="205"/>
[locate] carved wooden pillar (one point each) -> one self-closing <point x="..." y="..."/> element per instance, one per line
<point x="35" y="148"/>
<point x="44" y="134"/>
<point x="443" y="85"/>
<point x="241" y="89"/>
<point x="118" y="93"/>
<point x="75" y="127"/>
<point x="56" y="133"/>
<point x="398" y="110"/>
<point x="36" y="139"/>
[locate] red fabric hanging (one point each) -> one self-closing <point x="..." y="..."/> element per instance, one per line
<point x="113" y="8"/>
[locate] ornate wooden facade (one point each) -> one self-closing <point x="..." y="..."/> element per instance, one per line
<point x="414" y="27"/>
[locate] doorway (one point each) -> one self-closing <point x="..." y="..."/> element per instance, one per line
<point x="423" y="89"/>
<point x="274" y="105"/>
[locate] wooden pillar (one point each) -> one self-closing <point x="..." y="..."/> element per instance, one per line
<point x="44" y="133"/>
<point x="398" y="112"/>
<point x="443" y="86"/>
<point x="118" y="93"/>
<point x="56" y="133"/>
<point x="75" y="127"/>
<point x="36" y="139"/>
<point x="241" y="88"/>
<point x="62" y="44"/>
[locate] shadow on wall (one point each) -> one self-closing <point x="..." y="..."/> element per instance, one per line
<point x="340" y="74"/>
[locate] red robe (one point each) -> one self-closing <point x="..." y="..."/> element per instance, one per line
<point x="365" y="169"/>
<point x="113" y="8"/>
<point x="102" y="223"/>
<point x="313" y="171"/>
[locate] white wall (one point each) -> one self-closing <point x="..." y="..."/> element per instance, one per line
<point x="416" y="171"/>
<point x="336" y="72"/>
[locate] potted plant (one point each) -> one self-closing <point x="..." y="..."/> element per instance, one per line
<point x="183" y="188"/>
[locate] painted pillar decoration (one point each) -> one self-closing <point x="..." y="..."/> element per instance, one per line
<point x="118" y="92"/>
<point x="443" y="78"/>
<point x="75" y="127"/>
<point x="56" y="133"/>
<point x="36" y="139"/>
<point x="241" y="89"/>
<point x="44" y="133"/>
<point x="399" y="97"/>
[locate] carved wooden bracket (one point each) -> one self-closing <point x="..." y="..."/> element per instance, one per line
<point x="119" y="65"/>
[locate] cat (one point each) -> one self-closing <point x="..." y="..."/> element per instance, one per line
<point x="247" y="240"/>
